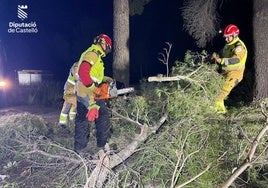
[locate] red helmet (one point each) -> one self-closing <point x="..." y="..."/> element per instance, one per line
<point x="231" y="29"/>
<point x="104" y="38"/>
<point x="107" y="39"/>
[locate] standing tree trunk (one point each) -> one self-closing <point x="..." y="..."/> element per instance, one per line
<point x="260" y="27"/>
<point x="121" y="38"/>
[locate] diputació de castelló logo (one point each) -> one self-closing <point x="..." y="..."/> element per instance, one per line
<point x="22" y="27"/>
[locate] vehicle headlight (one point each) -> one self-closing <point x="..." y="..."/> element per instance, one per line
<point x="3" y="84"/>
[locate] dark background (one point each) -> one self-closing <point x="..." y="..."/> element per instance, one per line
<point x="67" y="28"/>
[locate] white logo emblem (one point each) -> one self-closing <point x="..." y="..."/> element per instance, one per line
<point x="21" y="11"/>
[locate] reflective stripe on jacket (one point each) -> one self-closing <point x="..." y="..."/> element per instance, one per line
<point x="234" y="55"/>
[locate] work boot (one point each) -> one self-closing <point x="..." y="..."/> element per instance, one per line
<point x="220" y="107"/>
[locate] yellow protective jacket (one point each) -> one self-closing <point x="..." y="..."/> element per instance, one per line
<point x="234" y="55"/>
<point x="69" y="86"/>
<point x="73" y="75"/>
<point x="92" y="55"/>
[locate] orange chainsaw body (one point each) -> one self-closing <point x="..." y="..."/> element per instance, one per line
<point x="109" y="90"/>
<point x="102" y="91"/>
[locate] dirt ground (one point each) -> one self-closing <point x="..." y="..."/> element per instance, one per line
<point x="51" y="115"/>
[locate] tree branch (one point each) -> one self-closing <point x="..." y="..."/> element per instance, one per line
<point x="250" y="157"/>
<point x="195" y="177"/>
<point x="168" y="79"/>
<point x="108" y="161"/>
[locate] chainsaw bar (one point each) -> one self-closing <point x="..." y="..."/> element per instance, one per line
<point x="125" y="90"/>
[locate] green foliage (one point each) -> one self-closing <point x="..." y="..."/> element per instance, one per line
<point x="194" y="136"/>
<point x="23" y="137"/>
<point x="193" y="59"/>
<point x="202" y="89"/>
<point x="193" y="140"/>
<point x="11" y="185"/>
<point x="16" y="127"/>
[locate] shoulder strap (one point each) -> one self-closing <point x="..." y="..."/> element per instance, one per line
<point x="97" y="52"/>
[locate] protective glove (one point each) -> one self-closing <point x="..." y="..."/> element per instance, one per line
<point x="215" y="57"/>
<point x="108" y="79"/>
<point x="93" y="112"/>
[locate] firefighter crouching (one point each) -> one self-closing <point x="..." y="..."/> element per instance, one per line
<point x="232" y="59"/>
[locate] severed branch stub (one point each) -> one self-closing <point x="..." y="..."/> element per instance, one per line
<point x="160" y="78"/>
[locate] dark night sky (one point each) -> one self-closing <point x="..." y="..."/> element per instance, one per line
<point x="66" y="29"/>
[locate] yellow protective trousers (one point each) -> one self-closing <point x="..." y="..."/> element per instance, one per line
<point x="232" y="78"/>
<point x="69" y="107"/>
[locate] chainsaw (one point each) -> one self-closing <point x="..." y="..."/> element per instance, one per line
<point x="109" y="90"/>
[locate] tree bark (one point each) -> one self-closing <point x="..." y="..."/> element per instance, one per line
<point x="121" y="39"/>
<point x="109" y="161"/>
<point x="260" y="27"/>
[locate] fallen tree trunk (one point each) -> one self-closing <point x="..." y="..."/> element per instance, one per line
<point x="108" y="160"/>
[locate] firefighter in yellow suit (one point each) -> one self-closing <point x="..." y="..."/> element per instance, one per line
<point x="68" y="111"/>
<point x="90" y="75"/>
<point x="232" y="59"/>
